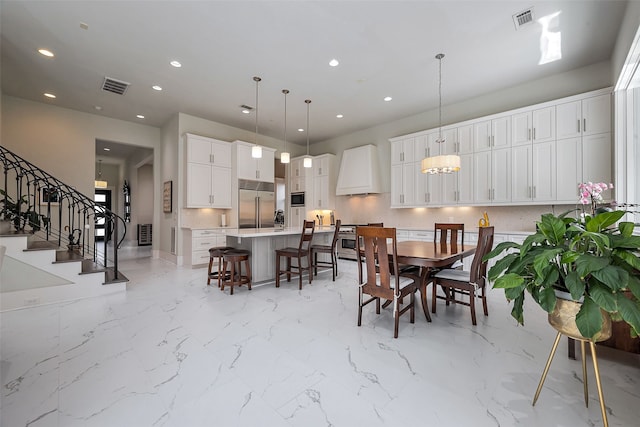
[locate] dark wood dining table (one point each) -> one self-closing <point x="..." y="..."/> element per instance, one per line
<point x="429" y="256"/>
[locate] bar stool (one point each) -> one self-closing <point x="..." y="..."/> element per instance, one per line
<point x="216" y="253"/>
<point x="233" y="260"/>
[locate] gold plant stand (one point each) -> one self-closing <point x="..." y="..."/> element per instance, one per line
<point x="563" y="320"/>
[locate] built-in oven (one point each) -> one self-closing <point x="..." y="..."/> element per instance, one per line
<point x="347" y="242"/>
<point x="297" y="199"/>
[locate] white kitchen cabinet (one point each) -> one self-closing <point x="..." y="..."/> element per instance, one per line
<point x="261" y="169"/>
<point x="589" y="116"/>
<point x="533" y="126"/>
<point x="197" y="252"/>
<point x="324" y="182"/>
<point x="428" y="188"/>
<point x="427" y="145"/>
<point x="299" y="176"/>
<point x="402" y="185"/>
<point x="533" y="173"/>
<point x="208" y="173"/>
<point x="297" y="215"/>
<point x="492" y="176"/>
<point x="402" y="150"/>
<point x="209" y="151"/>
<point x="464" y="143"/>
<point x="596" y="158"/>
<point x="492" y="134"/>
<point x="457" y="188"/>
<point x="568" y="169"/>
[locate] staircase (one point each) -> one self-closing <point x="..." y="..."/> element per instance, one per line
<point x="43" y="261"/>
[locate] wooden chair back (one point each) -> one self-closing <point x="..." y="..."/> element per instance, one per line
<point x="307" y="235"/>
<point x="448" y="233"/>
<point x="375" y="224"/>
<point x="379" y="280"/>
<point x="336" y="233"/>
<point x="479" y="267"/>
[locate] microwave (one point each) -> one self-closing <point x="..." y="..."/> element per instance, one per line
<point x="297" y="199"/>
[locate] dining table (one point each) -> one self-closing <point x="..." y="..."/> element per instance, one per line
<point x="428" y="256"/>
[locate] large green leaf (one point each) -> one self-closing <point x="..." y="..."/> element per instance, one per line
<point x="602" y="296"/>
<point x="589" y="319"/>
<point x="569" y="256"/>
<point x="574" y="284"/>
<point x="516" y="311"/>
<point x="630" y="312"/>
<point x="628" y="257"/>
<point x="551" y="277"/>
<point x="634" y="286"/>
<point x="501" y="265"/>
<point x="612" y="276"/>
<point x="626" y="228"/>
<point x="552" y="227"/>
<point x="547" y="299"/>
<point x="513" y="293"/>
<point x="507" y="281"/>
<point x="499" y="249"/>
<point x="604" y="220"/>
<point x="587" y="263"/>
<point x="532" y="241"/>
<point x="600" y="240"/>
<point x="630" y="242"/>
<point x="541" y="262"/>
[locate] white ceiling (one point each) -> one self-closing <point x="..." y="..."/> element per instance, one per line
<point x="385" y="48"/>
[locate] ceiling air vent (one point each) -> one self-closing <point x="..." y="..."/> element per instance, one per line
<point x="523" y="18"/>
<point x="115" y="86"/>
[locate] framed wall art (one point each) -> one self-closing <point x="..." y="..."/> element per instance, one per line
<point x="167" y="196"/>
<point x="49" y="195"/>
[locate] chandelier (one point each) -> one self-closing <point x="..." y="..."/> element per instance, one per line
<point x="441" y="163"/>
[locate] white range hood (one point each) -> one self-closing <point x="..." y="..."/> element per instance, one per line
<point x="359" y="171"/>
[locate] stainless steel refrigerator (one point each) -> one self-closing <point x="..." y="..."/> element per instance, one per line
<point x="256" y="204"/>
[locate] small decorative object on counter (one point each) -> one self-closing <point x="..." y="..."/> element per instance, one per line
<point x="484" y="221"/>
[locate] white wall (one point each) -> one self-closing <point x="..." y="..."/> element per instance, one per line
<point x="628" y="29"/>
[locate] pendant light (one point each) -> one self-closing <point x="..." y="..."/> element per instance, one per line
<point x="99" y="183"/>
<point x="308" y="161"/>
<point x="440" y="163"/>
<point x="285" y="156"/>
<point x="256" y="150"/>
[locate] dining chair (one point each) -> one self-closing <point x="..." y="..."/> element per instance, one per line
<point x="327" y="249"/>
<point x="377" y="281"/>
<point x="448" y="234"/>
<point x="467" y="282"/>
<point x="303" y="251"/>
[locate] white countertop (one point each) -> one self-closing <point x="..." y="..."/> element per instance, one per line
<point x="270" y="232"/>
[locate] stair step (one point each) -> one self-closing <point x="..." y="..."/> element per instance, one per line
<point x="89" y="267"/>
<point x="40" y="245"/>
<point x="110" y="277"/>
<point x="67" y="256"/>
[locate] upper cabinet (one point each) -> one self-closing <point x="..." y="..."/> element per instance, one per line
<point x="589" y="116"/>
<point x="324" y="182"/>
<point x="492" y="134"/>
<point x="533" y="155"/>
<point x="261" y="169"/>
<point x="208" y="172"/>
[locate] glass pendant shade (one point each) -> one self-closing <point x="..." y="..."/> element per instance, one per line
<point x="441" y="163"/>
<point x="99" y="183"/>
<point x="307" y="162"/>
<point x="285" y="156"/>
<point x="256" y="150"/>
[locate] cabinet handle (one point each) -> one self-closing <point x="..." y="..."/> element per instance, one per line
<point x="578" y="125"/>
<point x="489" y="140"/>
<point x="534" y="192"/>
<point x="529" y="137"/>
<point x="534" y="133"/>
<point x="584" y="125"/>
<point x="402" y="157"/>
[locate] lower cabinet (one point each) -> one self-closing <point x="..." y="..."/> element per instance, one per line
<point x="201" y="241"/>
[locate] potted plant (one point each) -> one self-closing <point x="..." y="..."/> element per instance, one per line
<point x="593" y="258"/>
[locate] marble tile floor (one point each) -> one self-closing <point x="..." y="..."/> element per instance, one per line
<point x="173" y="352"/>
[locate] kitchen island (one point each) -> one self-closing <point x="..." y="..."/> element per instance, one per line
<point x="262" y="242"/>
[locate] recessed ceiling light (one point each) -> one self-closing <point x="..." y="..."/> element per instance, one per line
<point x="106" y="149"/>
<point x="387" y="98"/>
<point x="97" y="107"/>
<point x="140" y="116"/>
<point x="84" y="26"/>
<point x="176" y="64"/>
<point x="245" y="111"/>
<point x="156" y="87"/>
<point x="334" y="62"/>
<point x="49" y="95"/>
<point x="46" y="52"/>
<point x="339" y="116"/>
<point x="300" y="130"/>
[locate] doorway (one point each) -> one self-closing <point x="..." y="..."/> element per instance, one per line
<point x="101" y="226"/>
